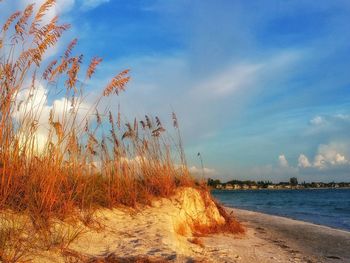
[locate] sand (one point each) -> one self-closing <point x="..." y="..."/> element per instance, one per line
<point x="162" y="233"/>
<point x="305" y="242"/>
<point x="158" y="232"/>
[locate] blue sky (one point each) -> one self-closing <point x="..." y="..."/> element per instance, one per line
<point x="261" y="88"/>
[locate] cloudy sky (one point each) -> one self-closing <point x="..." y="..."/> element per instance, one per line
<point x="261" y="88"/>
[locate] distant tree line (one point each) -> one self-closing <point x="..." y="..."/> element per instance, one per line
<point x="263" y="184"/>
<point x="216" y="182"/>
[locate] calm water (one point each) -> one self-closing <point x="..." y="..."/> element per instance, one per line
<point x="330" y="207"/>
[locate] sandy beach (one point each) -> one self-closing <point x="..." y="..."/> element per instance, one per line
<point x="289" y="240"/>
<point x="162" y="233"/>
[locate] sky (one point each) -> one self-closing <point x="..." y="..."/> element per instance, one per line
<point x="261" y="88"/>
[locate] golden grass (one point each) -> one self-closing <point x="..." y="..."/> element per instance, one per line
<point x="197" y="241"/>
<point x="83" y="162"/>
<point x="231" y="225"/>
<point x="181" y="229"/>
<point x="14" y="241"/>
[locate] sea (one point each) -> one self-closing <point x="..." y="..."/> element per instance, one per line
<point x="328" y="207"/>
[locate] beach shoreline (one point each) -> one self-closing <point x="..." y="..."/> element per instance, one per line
<point x="280" y="189"/>
<point x="305" y="242"/>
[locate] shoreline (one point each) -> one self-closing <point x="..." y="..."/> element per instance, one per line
<point x="280" y="189"/>
<point x="228" y="208"/>
<point x="306" y="242"/>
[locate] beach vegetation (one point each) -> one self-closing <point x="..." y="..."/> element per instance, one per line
<point x="76" y="157"/>
<point x="197" y="241"/>
<point x="63" y="156"/>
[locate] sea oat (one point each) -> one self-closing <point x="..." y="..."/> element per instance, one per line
<point x="92" y="67"/>
<point x="19" y="27"/>
<point x="10" y="20"/>
<point x="117" y="84"/>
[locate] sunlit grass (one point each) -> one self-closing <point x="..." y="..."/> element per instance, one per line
<point x="75" y="158"/>
<point x="67" y="160"/>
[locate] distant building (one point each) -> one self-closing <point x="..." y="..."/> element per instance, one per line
<point x="253" y="187"/>
<point x="270" y="186"/>
<point x="236" y="186"/>
<point x="218" y="186"/>
<point x="228" y="187"/>
<point x="245" y="187"/>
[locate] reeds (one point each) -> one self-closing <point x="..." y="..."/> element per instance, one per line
<point x="72" y="160"/>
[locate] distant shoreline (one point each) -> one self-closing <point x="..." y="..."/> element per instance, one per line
<point x="279" y="189"/>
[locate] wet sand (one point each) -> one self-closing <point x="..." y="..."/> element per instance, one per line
<point x="304" y="241"/>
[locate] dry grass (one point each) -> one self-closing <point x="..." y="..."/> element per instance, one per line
<point x="197" y="228"/>
<point x="71" y="159"/>
<point x="67" y="160"/>
<point x="181" y="229"/>
<point x="20" y="241"/>
<point x="197" y="241"/>
<point x="231" y="225"/>
<point x="14" y="239"/>
<point x="77" y="158"/>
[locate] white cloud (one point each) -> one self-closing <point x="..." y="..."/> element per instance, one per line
<point x="330" y="155"/>
<point x="247" y="75"/>
<point x="283" y="160"/>
<point x="33" y="106"/>
<point x="90" y="4"/>
<point x="303" y="161"/>
<point x="327" y="156"/>
<point x="199" y="171"/>
<point x="234" y="78"/>
<point x="330" y="159"/>
<point x="319" y="161"/>
<point x="344" y="117"/>
<point x="318" y="120"/>
<point x="331" y="125"/>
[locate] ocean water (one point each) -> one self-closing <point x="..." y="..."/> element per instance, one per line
<point x="329" y="207"/>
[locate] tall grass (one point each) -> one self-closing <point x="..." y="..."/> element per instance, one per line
<point x="53" y="163"/>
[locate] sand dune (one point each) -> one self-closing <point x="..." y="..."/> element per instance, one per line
<point x="163" y="233"/>
<point x="160" y="232"/>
